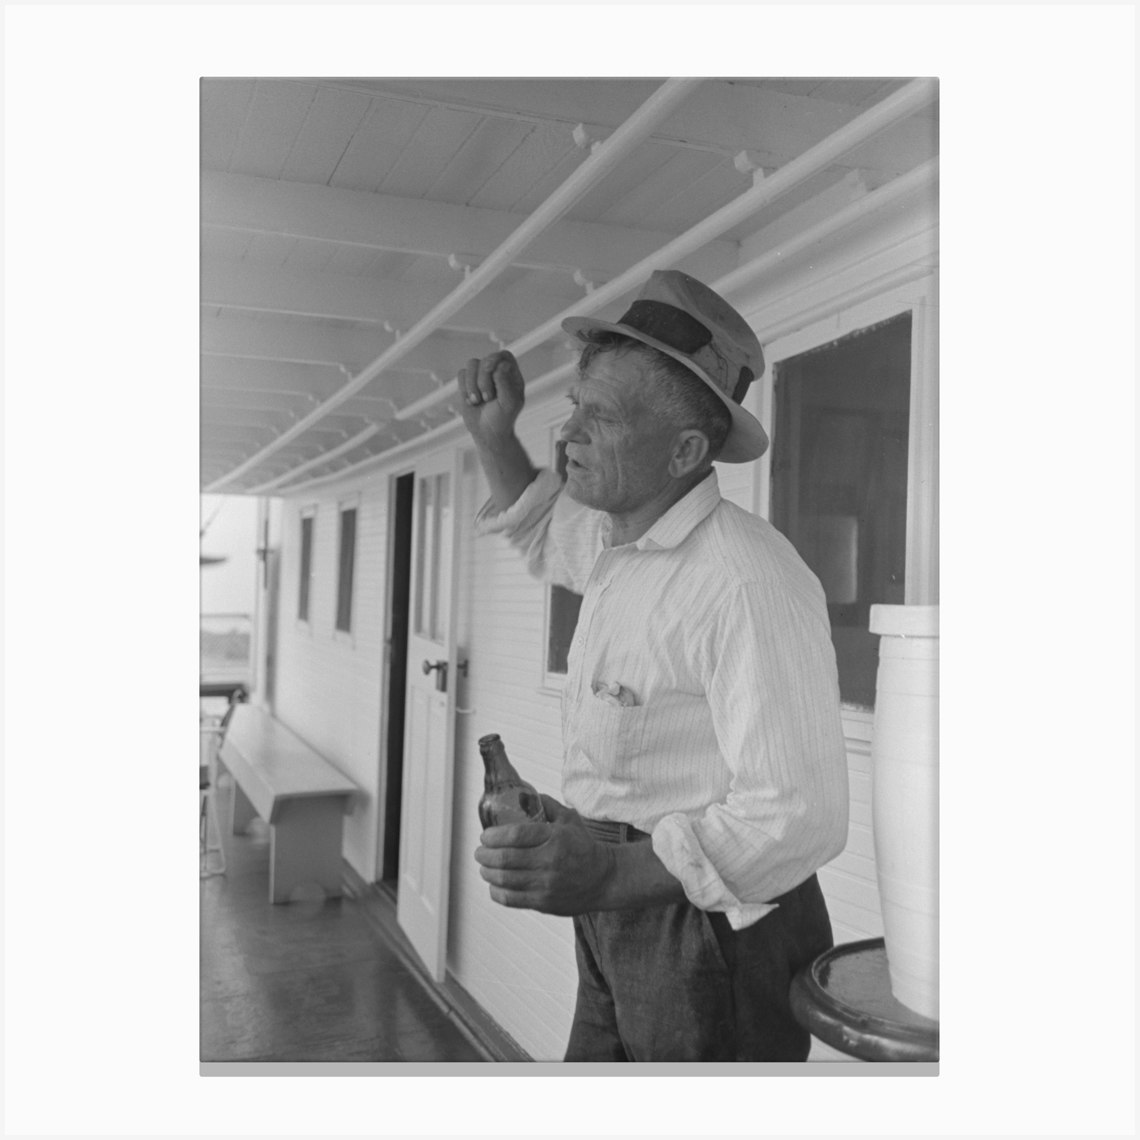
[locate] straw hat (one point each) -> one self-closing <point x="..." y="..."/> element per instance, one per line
<point x="683" y="318"/>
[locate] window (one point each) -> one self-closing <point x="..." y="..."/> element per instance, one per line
<point x="345" y="566"/>
<point x="839" y="481"/>
<point x="306" y="566"/>
<point x="562" y="609"/>
<point x="433" y="554"/>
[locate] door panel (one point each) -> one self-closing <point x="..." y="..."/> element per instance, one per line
<point x="429" y="744"/>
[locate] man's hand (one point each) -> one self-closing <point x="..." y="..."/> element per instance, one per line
<point x="491" y="395"/>
<point x="555" y="867"/>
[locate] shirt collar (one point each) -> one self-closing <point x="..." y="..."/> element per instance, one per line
<point x="678" y="522"/>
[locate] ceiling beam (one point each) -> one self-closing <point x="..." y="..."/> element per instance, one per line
<point x="435" y="229"/>
<point x="243" y="398"/>
<point x="317" y="382"/>
<point x="281" y="462"/>
<point x="238" y="434"/>
<point x="213" y="421"/>
<point x="238" y="335"/>
<point x="272" y="416"/>
<point x="334" y="296"/>
<point x="349" y="445"/>
<point x="221" y="405"/>
<point x="321" y="380"/>
<point x="307" y="342"/>
<point x="722" y="116"/>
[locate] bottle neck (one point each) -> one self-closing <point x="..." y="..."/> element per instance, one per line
<point x="497" y="768"/>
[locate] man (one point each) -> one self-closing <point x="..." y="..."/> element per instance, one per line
<point x="704" y="764"/>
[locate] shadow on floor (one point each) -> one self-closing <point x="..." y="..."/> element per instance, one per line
<point x="310" y="980"/>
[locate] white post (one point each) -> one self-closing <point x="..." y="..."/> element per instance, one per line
<point x="904" y="799"/>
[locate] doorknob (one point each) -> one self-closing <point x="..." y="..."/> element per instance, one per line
<point x="441" y="673"/>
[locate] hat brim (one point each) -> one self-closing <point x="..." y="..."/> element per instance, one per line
<point x="747" y="440"/>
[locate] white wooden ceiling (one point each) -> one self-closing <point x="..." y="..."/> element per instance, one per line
<point x="338" y="213"/>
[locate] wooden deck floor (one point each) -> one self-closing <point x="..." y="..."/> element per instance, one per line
<point x="311" y="980"/>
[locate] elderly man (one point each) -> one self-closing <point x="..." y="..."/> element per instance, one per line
<point x="704" y="767"/>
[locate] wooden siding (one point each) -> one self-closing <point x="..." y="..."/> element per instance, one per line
<point x="328" y="682"/>
<point x="517" y="964"/>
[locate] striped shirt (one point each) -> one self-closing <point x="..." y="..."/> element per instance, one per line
<point x="701" y="701"/>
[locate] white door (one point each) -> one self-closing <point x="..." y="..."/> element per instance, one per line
<point x="429" y="731"/>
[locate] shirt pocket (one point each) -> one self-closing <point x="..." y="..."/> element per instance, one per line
<point x="610" y="736"/>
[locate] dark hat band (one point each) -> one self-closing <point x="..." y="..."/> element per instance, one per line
<point x="680" y="331"/>
<point x="668" y="324"/>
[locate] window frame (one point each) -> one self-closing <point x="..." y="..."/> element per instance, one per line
<point x="305" y="590"/>
<point x="348" y="503"/>
<point x="918" y="297"/>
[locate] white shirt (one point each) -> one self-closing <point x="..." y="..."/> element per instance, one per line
<point x="732" y="755"/>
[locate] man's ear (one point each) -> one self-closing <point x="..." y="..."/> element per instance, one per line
<point x="689" y="452"/>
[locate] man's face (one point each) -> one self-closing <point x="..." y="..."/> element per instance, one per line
<point x="617" y="446"/>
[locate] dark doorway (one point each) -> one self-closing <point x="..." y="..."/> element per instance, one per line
<point x="397" y="650"/>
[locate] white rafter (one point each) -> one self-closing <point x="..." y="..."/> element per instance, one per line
<point x="434" y="229"/>
<point x="339" y="296"/>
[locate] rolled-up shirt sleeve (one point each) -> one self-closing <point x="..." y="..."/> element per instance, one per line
<point x="773" y="694"/>
<point x="557" y="538"/>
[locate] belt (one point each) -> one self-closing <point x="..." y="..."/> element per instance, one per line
<point x="611" y="831"/>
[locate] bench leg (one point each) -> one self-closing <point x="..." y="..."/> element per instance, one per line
<point x="242" y="812"/>
<point x="305" y="844"/>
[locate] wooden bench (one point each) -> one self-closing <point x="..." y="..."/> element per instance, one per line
<point x="296" y="791"/>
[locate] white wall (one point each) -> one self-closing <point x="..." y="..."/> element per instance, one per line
<point x="519" y="965"/>
<point x="329" y="682"/>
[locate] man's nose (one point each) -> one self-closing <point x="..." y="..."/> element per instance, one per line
<point x="572" y="430"/>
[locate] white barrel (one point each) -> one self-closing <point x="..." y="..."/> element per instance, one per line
<point x="904" y="799"/>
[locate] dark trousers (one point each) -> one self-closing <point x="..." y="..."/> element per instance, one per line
<point x="674" y="983"/>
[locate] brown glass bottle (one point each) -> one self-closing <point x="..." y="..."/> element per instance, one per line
<point x="507" y="797"/>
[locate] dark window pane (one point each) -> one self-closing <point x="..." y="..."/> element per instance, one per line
<point x="564" y="607"/>
<point x="839" y="470"/>
<point x="344" y="577"/>
<point x="306" y="567"/>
